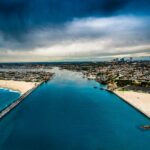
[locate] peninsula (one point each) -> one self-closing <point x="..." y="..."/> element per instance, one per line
<point x="139" y="100"/>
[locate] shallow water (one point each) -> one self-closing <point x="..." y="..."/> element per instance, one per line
<point x="67" y="113"/>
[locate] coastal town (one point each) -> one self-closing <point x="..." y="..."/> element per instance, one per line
<point x="135" y="75"/>
<point x="132" y="75"/>
<point x="129" y="80"/>
<point x="27" y="76"/>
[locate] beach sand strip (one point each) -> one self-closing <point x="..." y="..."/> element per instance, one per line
<point x="140" y="101"/>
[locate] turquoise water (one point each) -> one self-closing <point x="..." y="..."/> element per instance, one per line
<point x="7" y="97"/>
<point x="67" y="113"/>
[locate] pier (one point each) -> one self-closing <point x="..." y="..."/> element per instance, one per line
<point x="6" y="110"/>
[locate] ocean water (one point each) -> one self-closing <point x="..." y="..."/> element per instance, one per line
<point x="67" y="113"/>
<point x="7" y="97"/>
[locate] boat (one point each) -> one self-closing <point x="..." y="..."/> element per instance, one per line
<point x="101" y="88"/>
<point x="95" y="87"/>
<point x="146" y="127"/>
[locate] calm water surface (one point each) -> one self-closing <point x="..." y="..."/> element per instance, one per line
<point x="67" y="113"/>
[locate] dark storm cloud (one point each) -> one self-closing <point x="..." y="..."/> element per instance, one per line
<point x="18" y="17"/>
<point x="43" y="29"/>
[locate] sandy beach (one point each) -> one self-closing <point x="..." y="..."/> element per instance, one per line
<point x="141" y="101"/>
<point x="20" y="86"/>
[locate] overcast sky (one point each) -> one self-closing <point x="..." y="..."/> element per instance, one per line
<point x="71" y="30"/>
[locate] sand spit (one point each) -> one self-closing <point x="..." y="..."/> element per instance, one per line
<point x="141" y="101"/>
<point x="20" y="86"/>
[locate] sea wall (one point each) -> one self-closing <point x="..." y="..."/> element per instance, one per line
<point x="6" y="110"/>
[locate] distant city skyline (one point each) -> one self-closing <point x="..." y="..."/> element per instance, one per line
<point x="73" y="30"/>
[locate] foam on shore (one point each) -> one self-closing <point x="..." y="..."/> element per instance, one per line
<point x="19" y="86"/>
<point x="10" y="90"/>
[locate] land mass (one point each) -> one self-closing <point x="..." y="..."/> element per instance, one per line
<point x="21" y="79"/>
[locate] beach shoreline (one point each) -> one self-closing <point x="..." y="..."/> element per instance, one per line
<point x="20" y="86"/>
<point x="139" y="100"/>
